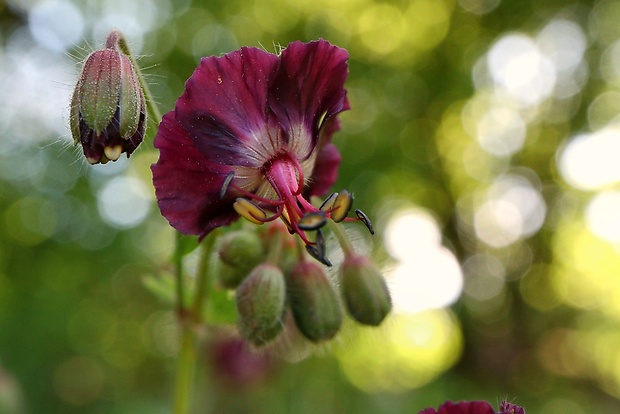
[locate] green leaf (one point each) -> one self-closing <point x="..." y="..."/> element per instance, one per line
<point x="162" y="286"/>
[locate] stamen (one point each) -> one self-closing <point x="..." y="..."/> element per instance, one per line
<point x="250" y="211"/>
<point x="319" y="124"/>
<point x="253" y="196"/>
<point x="226" y="183"/>
<point x="342" y="205"/>
<point x="287" y="221"/>
<point x="364" y="219"/>
<point x="328" y="204"/>
<point x="312" y="221"/>
<point x="305" y="204"/>
<point x="317" y="250"/>
<point x="320" y="244"/>
<point x="313" y="251"/>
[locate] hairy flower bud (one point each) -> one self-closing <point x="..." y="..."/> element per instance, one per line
<point x="261" y="300"/>
<point x="366" y="294"/>
<point x="108" y="110"/>
<point x="240" y="251"/>
<point x="314" y="301"/>
<point x="509" y="408"/>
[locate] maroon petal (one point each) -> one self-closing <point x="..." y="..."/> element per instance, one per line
<point x="224" y="107"/>
<point x="309" y="87"/>
<point x="325" y="171"/>
<point x="463" y="407"/>
<point x="328" y="160"/>
<point x="186" y="184"/>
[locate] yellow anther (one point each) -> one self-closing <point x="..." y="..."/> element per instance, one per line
<point x="342" y="205"/>
<point x="250" y="211"/>
<point x="329" y="202"/>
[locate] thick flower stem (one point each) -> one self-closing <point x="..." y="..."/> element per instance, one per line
<point x="275" y="249"/>
<point x="186" y="366"/>
<point x="178" y="274"/>
<point x="189" y="321"/>
<point x="341" y="236"/>
<point x="203" y="276"/>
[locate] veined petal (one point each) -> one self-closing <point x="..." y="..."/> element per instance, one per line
<point x="328" y="159"/>
<point x="186" y="184"/>
<point x="224" y="108"/>
<point x="308" y="89"/>
<point x="325" y="171"/>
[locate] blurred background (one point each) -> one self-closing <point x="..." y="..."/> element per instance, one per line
<point x="483" y="141"/>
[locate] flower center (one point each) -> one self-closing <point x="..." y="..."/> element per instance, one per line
<point x="285" y="175"/>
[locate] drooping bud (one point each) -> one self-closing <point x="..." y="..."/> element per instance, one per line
<point x="365" y="292"/>
<point x="230" y="277"/>
<point x="108" y="110"/>
<point x="314" y="302"/>
<point x="261" y="300"/>
<point x="509" y="408"/>
<point x="240" y="251"/>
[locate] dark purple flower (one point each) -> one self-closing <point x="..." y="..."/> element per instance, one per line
<point x="251" y="136"/>
<point x="473" y="407"/>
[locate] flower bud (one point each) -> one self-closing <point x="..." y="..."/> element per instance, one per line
<point x="230" y="277"/>
<point x="241" y="248"/>
<point x="509" y="408"/>
<point x="314" y="302"/>
<point x="366" y="294"/>
<point x="240" y="251"/>
<point x="261" y="300"/>
<point x="108" y="111"/>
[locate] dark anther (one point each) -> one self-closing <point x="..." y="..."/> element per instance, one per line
<point x="226" y="183"/>
<point x="312" y="221"/>
<point x="320" y="243"/>
<point x="314" y="252"/>
<point x="364" y="219"/>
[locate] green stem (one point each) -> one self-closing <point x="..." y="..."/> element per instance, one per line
<point x="117" y="38"/>
<point x="186" y="368"/>
<point x="342" y="237"/>
<point x="178" y="274"/>
<point x="204" y="273"/>
<point x="275" y="249"/>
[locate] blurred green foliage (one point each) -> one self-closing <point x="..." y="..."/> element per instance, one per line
<point x="443" y="119"/>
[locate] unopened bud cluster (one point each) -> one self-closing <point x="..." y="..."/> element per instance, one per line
<point x="268" y="286"/>
<point x="108" y="110"/>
